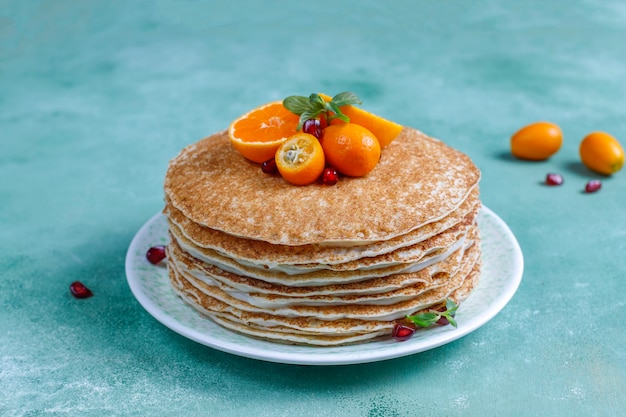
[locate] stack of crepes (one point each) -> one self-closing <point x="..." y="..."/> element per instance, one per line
<point x="322" y="265"/>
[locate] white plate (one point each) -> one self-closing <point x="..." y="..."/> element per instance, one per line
<point x="500" y="277"/>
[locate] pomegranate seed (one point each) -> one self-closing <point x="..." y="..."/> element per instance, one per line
<point x="312" y="127"/>
<point x="330" y="176"/>
<point x="554" y="179"/>
<point x="269" y="166"/>
<point x="443" y="321"/>
<point x="156" y="254"/>
<point x="79" y="290"/>
<point x="593" y="186"/>
<point x="403" y="330"/>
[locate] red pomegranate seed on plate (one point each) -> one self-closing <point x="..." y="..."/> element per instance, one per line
<point x="156" y="254"/>
<point x="79" y="290"/>
<point x="403" y="330"/>
<point x="443" y="320"/>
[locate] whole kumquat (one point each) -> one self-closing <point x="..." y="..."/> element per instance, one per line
<point x="602" y="153"/>
<point x="350" y="148"/>
<point x="537" y="141"/>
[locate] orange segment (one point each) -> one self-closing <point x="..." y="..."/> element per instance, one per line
<point x="350" y="148"/>
<point x="300" y="159"/>
<point x="259" y="133"/>
<point x="384" y="130"/>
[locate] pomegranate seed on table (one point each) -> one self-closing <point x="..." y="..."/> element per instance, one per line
<point x="155" y="254"/>
<point x="79" y="290"/>
<point x="593" y="185"/>
<point x="554" y="179"/>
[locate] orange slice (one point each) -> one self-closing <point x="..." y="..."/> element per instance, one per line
<point x="384" y="130"/>
<point x="300" y="159"/>
<point x="352" y="149"/>
<point x="260" y="132"/>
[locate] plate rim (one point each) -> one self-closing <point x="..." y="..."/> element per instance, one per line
<point x="305" y="357"/>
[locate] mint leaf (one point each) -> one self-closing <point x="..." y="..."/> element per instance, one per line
<point x="313" y="106"/>
<point x="346" y="98"/>
<point x="432" y="316"/>
<point x="334" y="108"/>
<point x="424" y="319"/>
<point x="316" y="99"/>
<point x="306" y="115"/>
<point x="296" y="104"/>
<point x="451" y="307"/>
<point x="451" y="320"/>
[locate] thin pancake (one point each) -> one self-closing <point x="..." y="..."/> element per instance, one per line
<point x="334" y="312"/>
<point x="272" y="301"/>
<point x="214" y="186"/>
<point x="309" y="331"/>
<point x="242" y="284"/>
<point x="265" y="254"/>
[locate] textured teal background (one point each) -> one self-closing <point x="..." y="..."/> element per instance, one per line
<point x="97" y="96"/>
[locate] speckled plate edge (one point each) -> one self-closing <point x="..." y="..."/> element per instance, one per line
<point x="501" y="275"/>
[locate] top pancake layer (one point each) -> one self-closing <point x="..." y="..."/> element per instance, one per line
<point x="418" y="180"/>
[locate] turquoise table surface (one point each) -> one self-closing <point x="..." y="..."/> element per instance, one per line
<point x="97" y="96"/>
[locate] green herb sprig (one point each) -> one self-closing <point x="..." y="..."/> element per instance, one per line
<point x="313" y="106"/>
<point x="432" y="316"/>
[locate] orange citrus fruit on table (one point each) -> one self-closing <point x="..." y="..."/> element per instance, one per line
<point x="258" y="133"/>
<point x="384" y="130"/>
<point x="300" y="159"/>
<point x="602" y="153"/>
<point x="537" y="141"/>
<point x="350" y="148"/>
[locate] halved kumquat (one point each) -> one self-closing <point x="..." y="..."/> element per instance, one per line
<point x="260" y="132"/>
<point x="300" y="159"/>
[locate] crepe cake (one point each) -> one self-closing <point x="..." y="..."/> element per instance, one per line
<point x="322" y="265"/>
